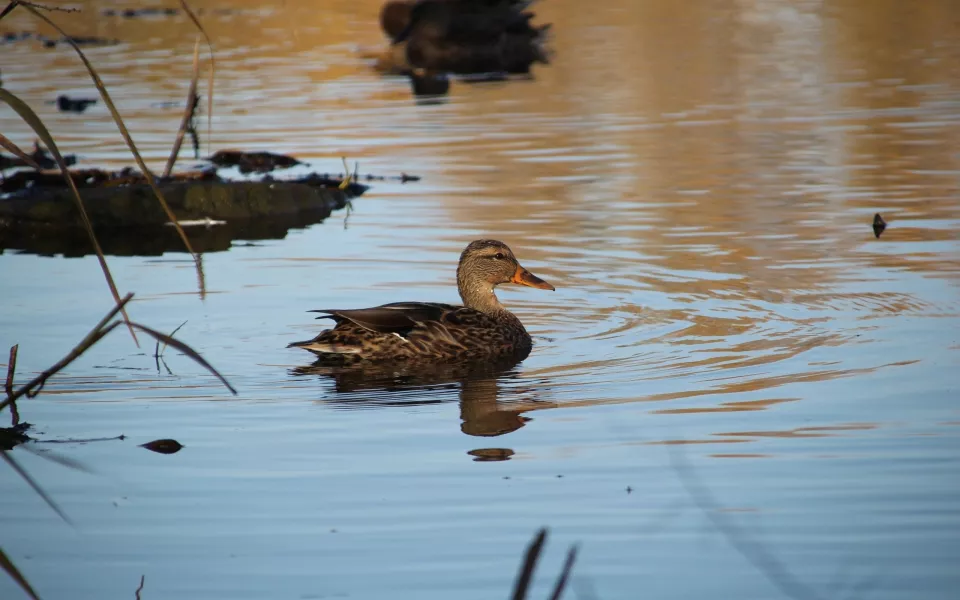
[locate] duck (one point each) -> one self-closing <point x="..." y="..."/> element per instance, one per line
<point x="463" y="37"/>
<point x="481" y="329"/>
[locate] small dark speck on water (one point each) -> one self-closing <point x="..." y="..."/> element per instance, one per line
<point x="878" y="225"/>
<point x="559" y="476"/>
<point x="629" y="490"/>
<point x="506" y="477"/>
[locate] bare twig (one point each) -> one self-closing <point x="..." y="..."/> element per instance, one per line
<point x="158" y="351"/>
<point x="8" y="386"/>
<point x="140" y="587"/>
<point x="65" y="9"/>
<point x="166" y="339"/>
<point x="8" y="9"/>
<point x="188" y="112"/>
<point x="11" y="367"/>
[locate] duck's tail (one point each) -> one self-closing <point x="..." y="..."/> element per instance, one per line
<point x="321" y="347"/>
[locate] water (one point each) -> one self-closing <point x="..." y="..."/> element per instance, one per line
<point x="733" y="372"/>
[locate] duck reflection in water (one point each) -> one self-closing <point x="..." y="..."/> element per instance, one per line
<point x="479" y="39"/>
<point x="492" y="396"/>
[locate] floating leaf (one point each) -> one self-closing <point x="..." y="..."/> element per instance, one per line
<point x="165" y="446"/>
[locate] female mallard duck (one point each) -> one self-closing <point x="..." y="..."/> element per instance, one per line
<point x="428" y="331"/>
<point x="463" y="37"/>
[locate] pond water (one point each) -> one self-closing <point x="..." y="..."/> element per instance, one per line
<point x="735" y="389"/>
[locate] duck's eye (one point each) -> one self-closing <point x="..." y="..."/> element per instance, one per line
<point x="498" y="256"/>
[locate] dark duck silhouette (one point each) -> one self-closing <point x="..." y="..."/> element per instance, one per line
<point x="430" y="332"/>
<point x="463" y="37"/>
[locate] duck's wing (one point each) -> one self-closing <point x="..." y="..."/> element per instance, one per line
<point x="397" y="317"/>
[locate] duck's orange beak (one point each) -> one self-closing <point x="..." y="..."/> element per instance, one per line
<point x="525" y="277"/>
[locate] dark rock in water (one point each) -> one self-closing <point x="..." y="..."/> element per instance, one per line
<point x="253" y="162"/>
<point x="166" y="446"/>
<point x="77" y="105"/>
<point x="878" y="225"/>
<point x="11" y="437"/>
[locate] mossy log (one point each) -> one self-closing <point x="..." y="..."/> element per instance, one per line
<point x="136" y="206"/>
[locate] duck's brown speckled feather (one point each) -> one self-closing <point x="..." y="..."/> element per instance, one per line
<point x="423" y="331"/>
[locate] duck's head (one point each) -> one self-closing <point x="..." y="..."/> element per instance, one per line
<point x="395" y="17"/>
<point x="485" y="264"/>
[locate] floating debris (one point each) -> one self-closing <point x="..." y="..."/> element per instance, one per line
<point x="253" y="162"/>
<point x="139" y="13"/>
<point x="879" y="225"/>
<point x="165" y="446"/>
<point x="13" y="37"/>
<point x="39" y="155"/>
<point x="205" y="222"/>
<point x="75" y="105"/>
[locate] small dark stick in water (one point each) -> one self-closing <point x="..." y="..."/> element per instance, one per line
<point x="878" y="225"/>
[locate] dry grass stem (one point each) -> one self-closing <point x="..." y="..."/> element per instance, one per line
<point x="8" y="386"/>
<point x="212" y="74"/>
<point x="188" y="111"/>
<point x="16" y="151"/>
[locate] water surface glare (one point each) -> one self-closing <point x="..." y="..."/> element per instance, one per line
<point x="736" y="388"/>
